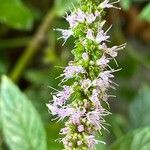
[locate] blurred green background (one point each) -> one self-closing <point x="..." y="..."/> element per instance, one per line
<point x="30" y="55"/>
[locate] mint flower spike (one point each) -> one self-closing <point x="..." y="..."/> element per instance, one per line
<point x="86" y="79"/>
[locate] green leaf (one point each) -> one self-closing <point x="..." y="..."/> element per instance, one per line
<point x="21" y="124"/>
<point x="53" y="130"/>
<point x="125" y="4"/>
<point x="145" y="13"/>
<point x="139" y="110"/>
<point x="136" y="140"/>
<point x="62" y="6"/>
<point x="15" y="14"/>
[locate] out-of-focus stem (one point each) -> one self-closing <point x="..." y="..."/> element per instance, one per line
<point x="33" y="46"/>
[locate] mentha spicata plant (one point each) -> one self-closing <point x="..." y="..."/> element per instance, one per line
<point x="87" y="78"/>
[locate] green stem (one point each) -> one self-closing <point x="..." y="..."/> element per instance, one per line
<point x="33" y="47"/>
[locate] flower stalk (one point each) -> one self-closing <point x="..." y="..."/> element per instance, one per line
<point x="90" y="76"/>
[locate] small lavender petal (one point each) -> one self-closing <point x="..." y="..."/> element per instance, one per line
<point x="80" y="16"/>
<point x="80" y="128"/>
<point x="90" y="35"/>
<point x="85" y="56"/>
<point x="64" y="130"/>
<point x="72" y="20"/>
<point x="103" y="61"/>
<point x="65" y="33"/>
<point x="85" y="83"/>
<point x="70" y="71"/>
<point x="101" y="36"/>
<point x="107" y="4"/>
<point x="90" y="18"/>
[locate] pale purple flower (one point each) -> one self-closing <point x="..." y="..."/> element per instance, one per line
<point x="53" y="109"/>
<point x="80" y="128"/>
<point x="64" y="112"/>
<point x="65" y="34"/>
<point x="65" y="142"/>
<point x="107" y="4"/>
<point x="96" y="117"/>
<point x="67" y="91"/>
<point x="92" y="141"/>
<point x="60" y="112"/>
<point x="104" y="80"/>
<point x="79" y="143"/>
<point x="113" y="51"/>
<point x="85" y="84"/>
<point x="80" y="16"/>
<point x="71" y="70"/>
<point x="62" y="96"/>
<point x="103" y="61"/>
<point x="75" y="117"/>
<point x="64" y="130"/>
<point x="85" y="56"/>
<point x="90" y="18"/>
<point x="102" y="85"/>
<point x="95" y="98"/>
<point x="102" y="36"/>
<point x="97" y="13"/>
<point x="103" y="46"/>
<point x="90" y="35"/>
<point x="72" y="20"/>
<point x="106" y="75"/>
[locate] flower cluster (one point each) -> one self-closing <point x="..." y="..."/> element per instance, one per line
<point x="81" y="100"/>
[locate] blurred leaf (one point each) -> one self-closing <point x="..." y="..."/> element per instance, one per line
<point x="15" y="14"/>
<point x="22" y="127"/>
<point x="125" y="4"/>
<point x="129" y="66"/>
<point x="37" y="77"/>
<point x="118" y="125"/>
<point x="145" y="13"/>
<point x="39" y="97"/>
<point x="140" y="108"/>
<point x="44" y="77"/>
<point x="62" y="6"/>
<point x="53" y="135"/>
<point x="39" y="92"/>
<point x="136" y="140"/>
